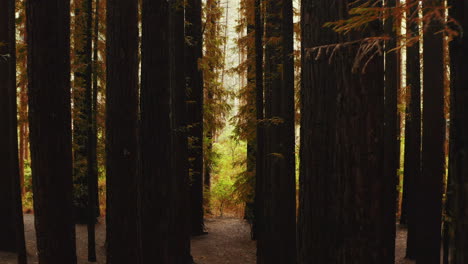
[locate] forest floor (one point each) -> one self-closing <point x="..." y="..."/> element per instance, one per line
<point x="228" y="242"/>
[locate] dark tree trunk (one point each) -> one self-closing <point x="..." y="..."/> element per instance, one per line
<point x="430" y="185"/>
<point x="194" y="78"/>
<point x="458" y="170"/>
<point x="318" y="207"/>
<point x="259" y="109"/>
<point x="179" y="140"/>
<point x="121" y="130"/>
<point x="163" y="186"/>
<point x="391" y="128"/>
<point x="8" y="238"/>
<point x="11" y="222"/>
<point x="344" y="190"/>
<point x="50" y="128"/>
<point x="412" y="170"/>
<point x="278" y="240"/>
<point x="82" y="116"/>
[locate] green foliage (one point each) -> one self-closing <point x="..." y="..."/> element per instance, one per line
<point x="28" y="195"/>
<point x="228" y="164"/>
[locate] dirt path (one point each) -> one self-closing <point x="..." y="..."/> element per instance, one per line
<point x="228" y="242"/>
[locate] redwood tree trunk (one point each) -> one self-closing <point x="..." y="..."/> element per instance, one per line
<point x="121" y="130"/>
<point x="179" y="140"/>
<point x="391" y="137"/>
<point x="163" y="185"/>
<point x="430" y="185"/>
<point x="458" y="169"/>
<point x="50" y="128"/>
<point x="278" y="239"/>
<point x="193" y="30"/>
<point x="11" y="222"/>
<point x="346" y="200"/>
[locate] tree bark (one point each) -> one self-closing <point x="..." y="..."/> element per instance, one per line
<point x="49" y="105"/>
<point x="278" y="240"/>
<point x="179" y="140"/>
<point x="430" y="185"/>
<point x="347" y="201"/>
<point x="163" y="184"/>
<point x="121" y="130"/>
<point x="11" y="223"/>
<point x="193" y="54"/>
<point x="458" y="166"/>
<point x="391" y="128"/>
<point x="259" y="107"/>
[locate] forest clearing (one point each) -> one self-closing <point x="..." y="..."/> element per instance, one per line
<point x="233" y="131"/>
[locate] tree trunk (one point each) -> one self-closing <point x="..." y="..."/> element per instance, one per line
<point x="163" y="185"/>
<point x="8" y="238"/>
<point x="193" y="54"/>
<point x="345" y="192"/>
<point x="391" y="137"/>
<point x="278" y="238"/>
<point x="179" y="140"/>
<point x="318" y="207"/>
<point x="430" y="185"/>
<point x="412" y="170"/>
<point x="458" y="169"/>
<point x="259" y="107"/>
<point x="49" y="105"/>
<point x="11" y="222"/>
<point x="121" y="130"/>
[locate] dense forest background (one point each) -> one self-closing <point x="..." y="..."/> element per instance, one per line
<point x="324" y="124"/>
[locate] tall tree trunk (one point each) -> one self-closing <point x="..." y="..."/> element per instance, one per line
<point x="344" y="190"/>
<point x="278" y="238"/>
<point x="163" y="186"/>
<point x="49" y="105"/>
<point x="458" y="169"/>
<point x="259" y="107"/>
<point x="121" y="130"/>
<point x="8" y="238"/>
<point x="412" y="170"/>
<point x="317" y="241"/>
<point x="430" y="185"/>
<point x="179" y="140"/>
<point x="82" y="119"/>
<point x="391" y="136"/>
<point x="194" y="77"/>
<point x="11" y="222"/>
